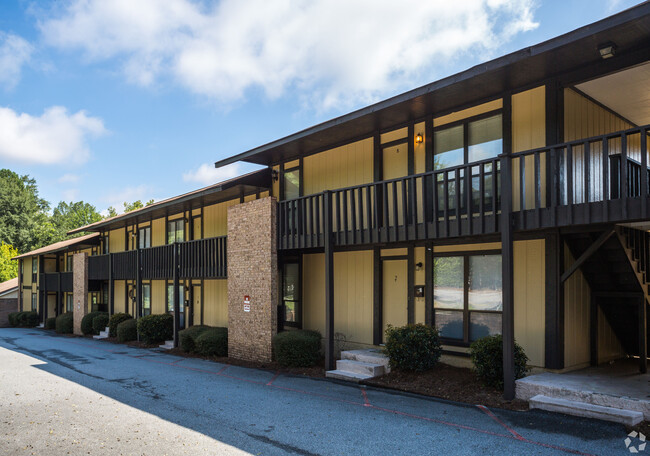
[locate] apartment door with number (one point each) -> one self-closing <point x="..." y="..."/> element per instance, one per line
<point x="394" y="293"/>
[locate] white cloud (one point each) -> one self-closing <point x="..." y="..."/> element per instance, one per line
<point x="334" y="51"/>
<point x="55" y="137"/>
<point x="117" y="197"/>
<point x="69" y="178"/>
<point x="207" y="174"/>
<point x="14" y="53"/>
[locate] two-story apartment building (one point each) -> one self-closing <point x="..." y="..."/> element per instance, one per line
<point x="510" y="198"/>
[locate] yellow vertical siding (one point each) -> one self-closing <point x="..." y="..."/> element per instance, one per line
<point x="27" y="271"/>
<point x="395" y="161"/>
<point x="343" y="166"/>
<point x="419" y="279"/>
<point x="577" y="297"/>
<point x="118" y="298"/>
<point x="215" y="305"/>
<point x="215" y="219"/>
<point x="419" y="151"/>
<point x="393" y="135"/>
<point x="394" y="294"/>
<point x="158" y="297"/>
<point x="116" y="240"/>
<point x="583" y="118"/>
<point x="158" y="230"/>
<point x="469" y="112"/>
<point x="529" y="298"/>
<point x="197" y="304"/>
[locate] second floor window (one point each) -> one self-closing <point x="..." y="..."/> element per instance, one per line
<point x="144" y="237"/>
<point x="292" y="183"/>
<point x="175" y="231"/>
<point x="467" y="142"/>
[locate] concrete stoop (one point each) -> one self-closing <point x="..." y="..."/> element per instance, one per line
<point x="102" y="334"/>
<point x="168" y="345"/>
<point x="41" y="325"/>
<point x="357" y="365"/>
<point x="553" y="396"/>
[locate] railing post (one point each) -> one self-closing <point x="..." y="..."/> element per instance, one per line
<point x="507" y="258"/>
<point x="138" y="280"/>
<point x="175" y="297"/>
<point x="329" y="281"/>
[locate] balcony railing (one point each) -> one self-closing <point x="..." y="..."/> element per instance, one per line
<point x="574" y="182"/>
<point x="56" y="281"/>
<point x="203" y="258"/>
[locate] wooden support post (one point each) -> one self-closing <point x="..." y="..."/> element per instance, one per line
<point x="593" y="330"/>
<point x="329" y="282"/>
<point x="377" y="323"/>
<point x="175" y="297"/>
<point x="643" y="335"/>
<point x="59" y="293"/>
<point x="428" y="285"/>
<point x="410" y="281"/>
<point x="111" y="286"/>
<point x="138" y="279"/>
<point x="507" y="257"/>
<point x="587" y="254"/>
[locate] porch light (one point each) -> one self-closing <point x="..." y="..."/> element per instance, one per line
<point x="607" y="50"/>
<point x="419" y="138"/>
<point x="275" y="175"/>
<point x="418" y="266"/>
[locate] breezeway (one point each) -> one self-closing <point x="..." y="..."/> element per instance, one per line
<point x="61" y="394"/>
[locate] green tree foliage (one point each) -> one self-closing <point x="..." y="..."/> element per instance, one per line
<point x="24" y="220"/>
<point x="68" y="216"/>
<point x="8" y="267"/>
<point x="128" y="207"/>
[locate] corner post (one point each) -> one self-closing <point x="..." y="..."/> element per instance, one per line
<point x="111" y="286"/>
<point x="329" y="282"/>
<point x="508" y="321"/>
<point x="175" y="297"/>
<point x="643" y="335"/>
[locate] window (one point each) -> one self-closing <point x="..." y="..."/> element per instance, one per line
<point x="144" y="237"/>
<point x="94" y="301"/>
<point x="146" y="299"/>
<point x="170" y="297"/>
<point x="34" y="269"/>
<point x="69" y="304"/>
<point x="68" y="264"/>
<point x="291" y="294"/>
<point x="175" y="231"/>
<point x="34" y="302"/>
<point x="467" y="296"/>
<point x="291" y="183"/>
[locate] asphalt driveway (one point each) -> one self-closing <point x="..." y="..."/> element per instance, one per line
<point x="62" y="395"/>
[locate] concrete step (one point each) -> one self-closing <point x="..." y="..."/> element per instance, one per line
<point x="168" y="345"/>
<point x="101" y="336"/>
<point x="347" y="376"/>
<point x="359" y="367"/>
<point x="42" y="325"/>
<point x="552" y="404"/>
<point x="371" y="356"/>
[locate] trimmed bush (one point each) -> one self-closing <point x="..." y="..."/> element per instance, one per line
<point x="156" y="328"/>
<point x="13" y="318"/>
<point x="100" y="322"/>
<point x="213" y="342"/>
<point x="28" y="319"/>
<point x="115" y="320"/>
<point x="187" y="337"/>
<point x="413" y="347"/>
<point x="87" y="322"/>
<point x="64" y="323"/>
<point x="50" y="323"/>
<point x="297" y="348"/>
<point x="487" y="356"/>
<point x="127" y="330"/>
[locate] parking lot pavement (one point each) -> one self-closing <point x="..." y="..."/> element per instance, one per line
<point x="64" y="395"/>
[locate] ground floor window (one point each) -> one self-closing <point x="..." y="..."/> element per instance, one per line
<point x="467" y="296"/>
<point x="69" y="303"/>
<point x="291" y="302"/>
<point x="146" y="299"/>
<point x="170" y="297"/>
<point x="34" y="302"/>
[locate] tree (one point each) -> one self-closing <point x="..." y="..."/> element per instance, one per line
<point x="128" y="207"/>
<point x="23" y="215"/>
<point x="68" y="216"/>
<point x="8" y="267"/>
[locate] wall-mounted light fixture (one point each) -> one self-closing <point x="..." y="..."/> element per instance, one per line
<point x="607" y="50"/>
<point x="419" y="138"/>
<point x="418" y="266"/>
<point x="275" y="175"/>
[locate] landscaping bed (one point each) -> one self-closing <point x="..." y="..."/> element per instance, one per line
<point x="447" y="382"/>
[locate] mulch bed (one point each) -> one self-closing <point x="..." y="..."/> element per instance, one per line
<point x="643" y="428"/>
<point x="450" y="383"/>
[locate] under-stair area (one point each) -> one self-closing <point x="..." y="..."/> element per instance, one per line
<point x="357" y="365"/>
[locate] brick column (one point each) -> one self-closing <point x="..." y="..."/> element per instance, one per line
<point x="252" y="272"/>
<point x="79" y="289"/>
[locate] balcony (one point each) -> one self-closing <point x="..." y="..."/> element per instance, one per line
<point x="578" y="182"/>
<point x="200" y="259"/>
<point x="56" y="282"/>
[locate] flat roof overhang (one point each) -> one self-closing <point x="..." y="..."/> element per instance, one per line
<point x="245" y="185"/>
<point x="571" y="58"/>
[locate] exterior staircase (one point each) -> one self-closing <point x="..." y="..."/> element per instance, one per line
<point x="102" y="334"/>
<point x="357" y="365"/>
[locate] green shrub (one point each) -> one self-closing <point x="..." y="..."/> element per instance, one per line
<point x="115" y="320"/>
<point x="28" y="319"/>
<point x="213" y="342"/>
<point x="50" y="323"/>
<point x="297" y="348"/>
<point x="13" y="318"/>
<point x="187" y="337"/>
<point x="127" y="330"/>
<point x="87" y="322"/>
<point x="100" y="322"/>
<point x="65" y="323"/>
<point x="487" y="356"/>
<point x="413" y="347"/>
<point x="156" y="328"/>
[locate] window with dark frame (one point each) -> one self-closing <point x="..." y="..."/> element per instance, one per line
<point x="170" y="297"/>
<point x="175" y="231"/>
<point x="69" y="303"/>
<point x="146" y="299"/>
<point x="291" y="183"/>
<point x="34" y="269"/>
<point x="34" y="302"/>
<point x="144" y="237"/>
<point x="291" y="293"/>
<point x="467" y="296"/>
<point x="68" y="264"/>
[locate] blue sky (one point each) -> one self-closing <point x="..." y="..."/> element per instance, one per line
<point x="116" y="100"/>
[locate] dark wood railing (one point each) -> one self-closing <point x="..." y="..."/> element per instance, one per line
<point x="574" y="182"/>
<point x="125" y="265"/>
<point x="157" y="262"/>
<point x="66" y="281"/>
<point x="98" y="267"/>
<point x="204" y="258"/>
<point x="56" y="281"/>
